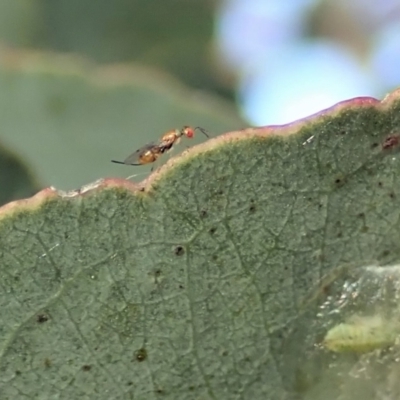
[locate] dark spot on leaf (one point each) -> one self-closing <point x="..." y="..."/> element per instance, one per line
<point x="179" y="250"/>
<point x="380" y="184"/>
<point x="364" y="229"/>
<point x="156" y="274"/>
<point x="392" y="195"/>
<point x="86" y="367"/>
<point x="390" y="142"/>
<point x="130" y="383"/>
<point x="385" y="253"/>
<point x="361" y="215"/>
<point x="374" y="145"/>
<point x="342" y="132"/>
<point x="160" y="391"/>
<point x="280" y="335"/>
<point x="220" y="192"/>
<point x="212" y="230"/>
<point x="18" y="372"/>
<point x="47" y="363"/>
<point x="203" y="213"/>
<point x="66" y="235"/>
<point x="41" y="318"/>
<point x="326" y="289"/>
<point x="191" y="388"/>
<point x="340" y="181"/>
<point x="141" y="354"/>
<point x="181" y="287"/>
<point x="339" y="235"/>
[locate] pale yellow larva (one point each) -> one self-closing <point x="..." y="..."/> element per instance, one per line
<point x="361" y="335"/>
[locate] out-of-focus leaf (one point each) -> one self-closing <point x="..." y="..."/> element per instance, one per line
<point x="172" y="35"/>
<point x="68" y="119"/>
<point x="176" y="33"/>
<point x="123" y="29"/>
<point x="20" y="22"/>
<point x="16" y="181"/>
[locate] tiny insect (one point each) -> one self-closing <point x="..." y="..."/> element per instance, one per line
<point x="361" y="335"/>
<point x="151" y="151"/>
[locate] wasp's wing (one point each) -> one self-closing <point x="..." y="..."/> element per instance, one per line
<point x="164" y="146"/>
<point x="136" y="157"/>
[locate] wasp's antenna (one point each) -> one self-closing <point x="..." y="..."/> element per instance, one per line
<point x="202" y="130"/>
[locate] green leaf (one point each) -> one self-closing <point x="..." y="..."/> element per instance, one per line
<point x="124" y="29"/>
<point x="69" y="118"/>
<point x="16" y="182"/>
<point x="171" y="35"/>
<point x="208" y="280"/>
<point x="20" y="22"/>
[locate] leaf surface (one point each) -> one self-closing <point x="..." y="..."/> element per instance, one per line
<point x="200" y="283"/>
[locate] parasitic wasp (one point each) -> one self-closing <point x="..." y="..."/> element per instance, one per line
<point x="150" y="152"/>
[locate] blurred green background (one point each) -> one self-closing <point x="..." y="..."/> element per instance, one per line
<point x="173" y="35"/>
<point x="84" y="82"/>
